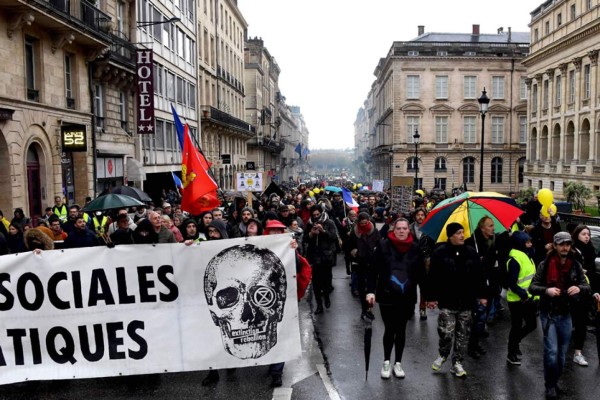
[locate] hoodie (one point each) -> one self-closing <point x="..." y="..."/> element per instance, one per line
<point x="221" y="227"/>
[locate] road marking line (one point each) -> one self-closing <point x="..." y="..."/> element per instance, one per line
<point x="333" y="393"/>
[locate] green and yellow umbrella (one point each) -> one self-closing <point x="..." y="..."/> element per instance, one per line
<point x="467" y="209"/>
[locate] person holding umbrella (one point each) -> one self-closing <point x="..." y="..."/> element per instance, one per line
<point x="399" y="267"/>
<point x="455" y="281"/>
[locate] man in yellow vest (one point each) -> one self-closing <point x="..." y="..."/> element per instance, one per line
<point x="101" y="224"/>
<point x="521" y="303"/>
<point x="60" y="209"/>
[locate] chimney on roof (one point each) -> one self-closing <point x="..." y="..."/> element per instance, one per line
<point x="500" y="30"/>
<point x="509" y="34"/>
<point x="421" y="30"/>
<point x="475" y="29"/>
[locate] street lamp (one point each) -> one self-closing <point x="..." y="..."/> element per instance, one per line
<point x="142" y="24"/>
<point x="416" y="137"/>
<point x="484" y="101"/>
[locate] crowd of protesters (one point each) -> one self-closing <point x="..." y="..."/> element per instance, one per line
<point x="539" y="267"/>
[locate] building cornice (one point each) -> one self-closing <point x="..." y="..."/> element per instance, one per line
<point x="565" y="43"/>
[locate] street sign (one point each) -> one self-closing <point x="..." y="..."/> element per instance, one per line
<point x="226" y="158"/>
<point x="250" y="166"/>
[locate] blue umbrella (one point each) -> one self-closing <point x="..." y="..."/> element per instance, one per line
<point x="332" y="189"/>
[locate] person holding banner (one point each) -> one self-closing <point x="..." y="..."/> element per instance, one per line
<point x="81" y="236"/>
<point x="217" y="230"/>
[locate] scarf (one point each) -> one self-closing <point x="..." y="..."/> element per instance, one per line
<point x="557" y="272"/>
<point x="322" y="218"/>
<point x="401" y="245"/>
<point x="364" y="229"/>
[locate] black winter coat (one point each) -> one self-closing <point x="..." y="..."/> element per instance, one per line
<point x="391" y="268"/>
<point x="320" y="249"/>
<point x="365" y="246"/>
<point x="456" y="278"/>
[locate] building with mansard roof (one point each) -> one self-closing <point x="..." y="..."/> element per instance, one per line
<point x="430" y="85"/>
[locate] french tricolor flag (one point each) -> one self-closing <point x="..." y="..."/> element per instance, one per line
<point x="347" y="196"/>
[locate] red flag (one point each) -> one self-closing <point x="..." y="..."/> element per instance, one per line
<point x="198" y="187"/>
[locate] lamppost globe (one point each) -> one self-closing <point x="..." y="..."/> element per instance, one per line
<point x="484" y="102"/>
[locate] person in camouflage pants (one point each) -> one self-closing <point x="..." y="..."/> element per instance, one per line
<point x="454" y="324"/>
<point x="454" y="283"/>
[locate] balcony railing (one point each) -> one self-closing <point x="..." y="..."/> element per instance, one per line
<point x="78" y="11"/>
<point x="121" y="49"/>
<point x="226" y="118"/>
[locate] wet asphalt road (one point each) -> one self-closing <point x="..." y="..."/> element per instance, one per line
<point x="341" y="332"/>
<point x="332" y="367"/>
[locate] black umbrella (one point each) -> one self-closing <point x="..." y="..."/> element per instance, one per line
<point x="132" y="192"/>
<point x="112" y="201"/>
<point x="368" y="321"/>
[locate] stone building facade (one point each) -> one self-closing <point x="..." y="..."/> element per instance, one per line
<point x="225" y="130"/>
<point x="564" y="96"/>
<point x="54" y="54"/>
<point x="431" y="85"/>
<point x="263" y="104"/>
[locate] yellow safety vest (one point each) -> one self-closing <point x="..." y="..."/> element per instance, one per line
<point x="526" y="274"/>
<point x="61" y="212"/>
<point x="99" y="226"/>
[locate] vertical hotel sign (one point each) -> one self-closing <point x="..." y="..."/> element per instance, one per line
<point x="145" y="91"/>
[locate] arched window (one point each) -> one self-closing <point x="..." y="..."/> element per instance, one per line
<point x="496" y="170"/>
<point x="468" y="170"/>
<point x="440" y="164"/>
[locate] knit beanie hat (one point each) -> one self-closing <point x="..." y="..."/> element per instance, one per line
<point x="452" y="228"/>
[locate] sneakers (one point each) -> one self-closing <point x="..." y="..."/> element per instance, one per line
<point x="458" y="370"/>
<point x="513" y="359"/>
<point x="398" y="371"/>
<point x="580" y="359"/>
<point x="437" y="364"/>
<point x="423" y="315"/>
<point x="386" y="370"/>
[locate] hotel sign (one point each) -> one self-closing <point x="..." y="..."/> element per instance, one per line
<point x="145" y="91"/>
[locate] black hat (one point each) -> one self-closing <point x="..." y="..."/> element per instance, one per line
<point x="452" y="228"/>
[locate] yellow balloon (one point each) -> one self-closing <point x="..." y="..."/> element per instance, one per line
<point x="359" y="185"/>
<point x="311" y="193"/>
<point x="545" y="197"/>
<point x="354" y="187"/>
<point x="317" y="190"/>
<point x="420" y="192"/>
<point x="544" y="211"/>
<point x="552" y="210"/>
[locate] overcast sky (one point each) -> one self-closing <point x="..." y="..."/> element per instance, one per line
<point x="327" y="50"/>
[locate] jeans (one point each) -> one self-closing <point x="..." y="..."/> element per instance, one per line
<point x="557" y="335"/>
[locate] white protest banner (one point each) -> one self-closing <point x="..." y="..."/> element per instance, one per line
<point x="142" y="309"/>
